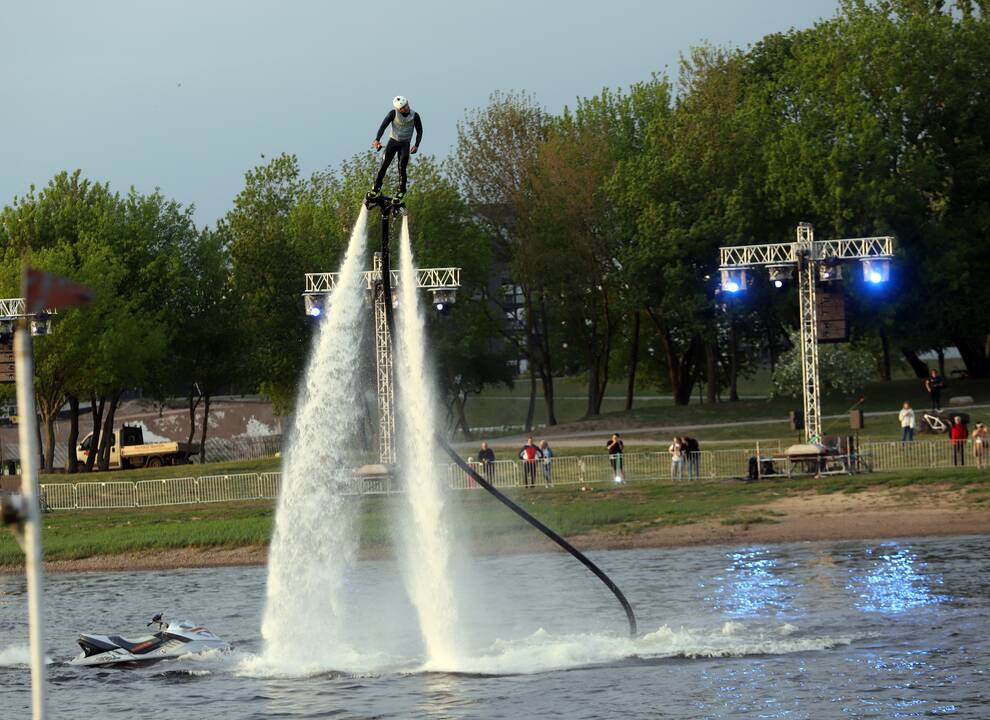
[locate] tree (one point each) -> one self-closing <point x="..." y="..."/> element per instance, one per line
<point x="211" y="340"/>
<point x="280" y="228"/>
<point x="883" y="125"/>
<point x="842" y="370"/>
<point x="491" y="166"/>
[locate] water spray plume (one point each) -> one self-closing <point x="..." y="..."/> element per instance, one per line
<point x="313" y="542"/>
<point x="428" y="546"/>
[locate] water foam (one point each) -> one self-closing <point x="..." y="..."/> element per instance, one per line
<point x="14" y="655"/>
<point x="18" y="655"/>
<point x="544" y="652"/>
<point x="313" y="542"/>
<point x="428" y="567"/>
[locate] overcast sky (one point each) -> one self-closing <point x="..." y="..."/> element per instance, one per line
<point x="187" y="95"/>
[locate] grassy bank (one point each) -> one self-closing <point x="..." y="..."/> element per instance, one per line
<point x="485" y="523"/>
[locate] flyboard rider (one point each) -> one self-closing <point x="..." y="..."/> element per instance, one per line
<point x="401" y="121"/>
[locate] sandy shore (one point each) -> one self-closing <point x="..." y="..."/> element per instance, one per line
<point x="872" y="514"/>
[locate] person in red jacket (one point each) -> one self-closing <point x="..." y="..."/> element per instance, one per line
<point x="529" y="454"/>
<point x="958" y="435"/>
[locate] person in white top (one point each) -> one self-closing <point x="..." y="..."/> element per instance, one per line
<point x="981" y="445"/>
<point x="907" y="423"/>
<point x="676" y="451"/>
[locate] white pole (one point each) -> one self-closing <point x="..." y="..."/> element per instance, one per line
<point x="28" y="435"/>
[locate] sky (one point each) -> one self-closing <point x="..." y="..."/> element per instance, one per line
<point x="186" y="96"/>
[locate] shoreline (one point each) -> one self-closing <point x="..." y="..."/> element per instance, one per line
<point x="875" y="514"/>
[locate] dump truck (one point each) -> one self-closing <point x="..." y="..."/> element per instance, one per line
<point x="129" y="450"/>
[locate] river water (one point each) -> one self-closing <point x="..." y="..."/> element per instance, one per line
<point x="881" y="629"/>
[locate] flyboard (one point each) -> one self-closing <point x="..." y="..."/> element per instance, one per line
<point x="392" y="208"/>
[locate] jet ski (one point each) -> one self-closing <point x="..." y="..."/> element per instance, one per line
<point x="172" y="640"/>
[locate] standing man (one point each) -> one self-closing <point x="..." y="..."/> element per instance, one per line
<point x="402" y="121"/>
<point x="692" y="451"/>
<point x="934" y="384"/>
<point x="906" y="417"/>
<point x="615" y="447"/>
<point x="529" y="455"/>
<point x="547" y="459"/>
<point x="958" y="435"/>
<point x="486" y="456"/>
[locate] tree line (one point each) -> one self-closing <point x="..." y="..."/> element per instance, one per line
<point x="606" y="218"/>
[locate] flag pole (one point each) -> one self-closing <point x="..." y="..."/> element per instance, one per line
<point x="30" y="491"/>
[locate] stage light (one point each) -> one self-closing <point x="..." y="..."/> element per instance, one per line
<point x="443" y="299"/>
<point x="733" y="280"/>
<point x="828" y="272"/>
<point x="314" y="305"/>
<point x="876" y="270"/>
<point x="779" y="274"/>
<point x="41" y="324"/>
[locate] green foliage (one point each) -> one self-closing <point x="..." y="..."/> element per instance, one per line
<point x="843" y="370"/>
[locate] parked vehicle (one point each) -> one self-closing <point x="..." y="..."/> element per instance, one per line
<point x="129" y="450"/>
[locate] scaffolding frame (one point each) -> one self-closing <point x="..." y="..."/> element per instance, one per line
<point x="806" y="254"/>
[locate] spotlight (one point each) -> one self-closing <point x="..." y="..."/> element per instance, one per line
<point x="443" y="298"/>
<point x="314" y="305"/>
<point x="829" y="272"/>
<point x="733" y="280"/>
<point x="876" y="270"/>
<point x="779" y="274"/>
<point x="41" y="324"/>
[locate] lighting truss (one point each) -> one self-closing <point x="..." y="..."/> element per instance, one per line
<point x="436" y="279"/>
<point x="804" y="254"/>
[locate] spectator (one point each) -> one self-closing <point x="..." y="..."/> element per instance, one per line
<point x="692" y="454"/>
<point x="547" y="458"/>
<point x="471" y="484"/>
<point x="676" y="451"/>
<point x="906" y="417"/>
<point x="980" y="447"/>
<point x="934" y="384"/>
<point x="958" y="435"/>
<point x="486" y="456"/>
<point x="529" y="455"/>
<point x="615" y="447"/>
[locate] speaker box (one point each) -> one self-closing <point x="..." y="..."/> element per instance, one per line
<point x="797" y="419"/>
<point x="856" y="420"/>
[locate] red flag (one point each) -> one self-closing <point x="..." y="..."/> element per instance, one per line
<point x="46" y="291"/>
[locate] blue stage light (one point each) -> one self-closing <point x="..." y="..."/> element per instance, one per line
<point x="876" y="270"/>
<point x="733" y="279"/>
<point x="314" y="305"/>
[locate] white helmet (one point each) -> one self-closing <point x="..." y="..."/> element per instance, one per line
<point x="399" y="102"/>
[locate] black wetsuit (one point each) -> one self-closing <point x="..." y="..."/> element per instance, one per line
<point x="397" y="146"/>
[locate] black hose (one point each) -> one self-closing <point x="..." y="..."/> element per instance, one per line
<point x="630" y="616"/>
<point x="387" y="290"/>
<point x="387" y="279"/>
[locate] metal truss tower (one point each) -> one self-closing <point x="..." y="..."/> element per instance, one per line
<point x="439" y="281"/>
<point x="807" y="256"/>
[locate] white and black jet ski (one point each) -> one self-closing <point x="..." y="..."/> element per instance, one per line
<point x="171" y="641"/>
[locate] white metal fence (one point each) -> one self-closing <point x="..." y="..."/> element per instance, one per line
<point x="564" y="470"/>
